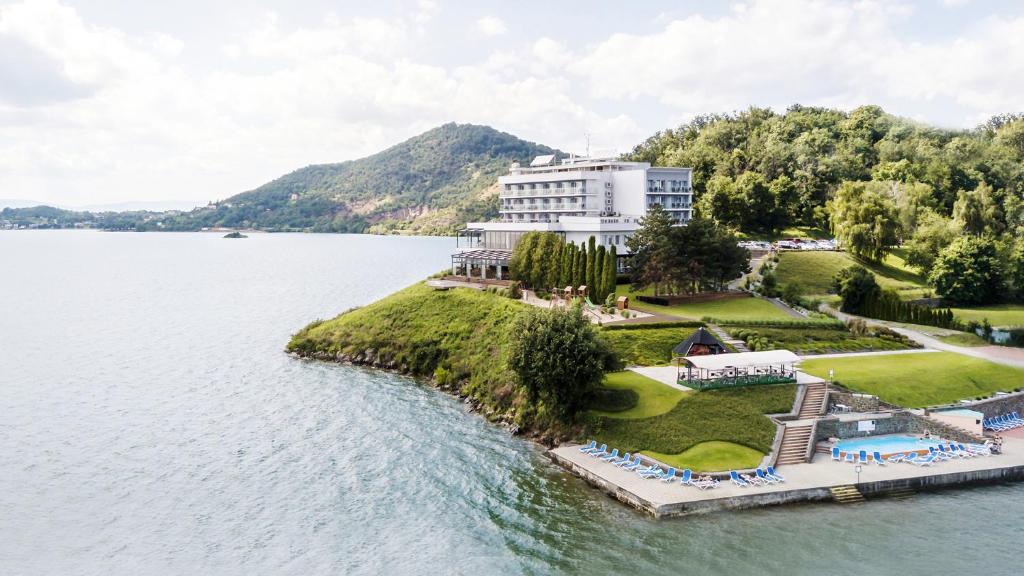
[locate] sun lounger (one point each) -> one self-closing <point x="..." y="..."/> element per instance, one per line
<point x="836" y="454"/>
<point x="764" y="476"/>
<point x="622" y="461"/>
<point x="589" y="447"/>
<point x="975" y="449"/>
<point x="938" y="453"/>
<point x="911" y="457"/>
<point x="706" y="484"/>
<point x="669" y="476"/>
<point x="771" y="472"/>
<point x="863" y="455"/>
<point x="634" y="465"/>
<point x="602" y="451"/>
<point x="898" y="457"/>
<point x="850" y="458"/>
<point x="737" y="480"/>
<point x="656" y="472"/>
<point x="877" y="458"/>
<point x="926" y="460"/>
<point x="687" y="478"/>
<point x="751" y="479"/>
<point x="613" y="456"/>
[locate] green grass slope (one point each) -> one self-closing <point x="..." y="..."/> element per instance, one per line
<point x="1001" y="315"/>
<point x="814" y="271"/>
<point x="918" y="380"/>
<point x="418" y="330"/>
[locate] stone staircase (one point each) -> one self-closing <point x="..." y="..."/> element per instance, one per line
<point x="846" y="494"/>
<point x="724" y="336"/>
<point x="814" y="399"/>
<point x="900" y="493"/>
<point x="793" y="449"/>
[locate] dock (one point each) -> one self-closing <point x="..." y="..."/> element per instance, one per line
<point x="816" y="481"/>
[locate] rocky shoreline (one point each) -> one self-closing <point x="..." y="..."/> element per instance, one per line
<point x="369" y="359"/>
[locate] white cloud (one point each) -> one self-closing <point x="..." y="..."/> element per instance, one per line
<point x="491" y="26"/>
<point x="92" y="114"/>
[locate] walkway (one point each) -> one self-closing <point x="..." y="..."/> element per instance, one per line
<point x="803" y="481"/>
<point x="998" y="354"/>
<point x="785" y="308"/>
<point x="724" y="336"/>
<point x="664" y="374"/>
<point x="875" y="353"/>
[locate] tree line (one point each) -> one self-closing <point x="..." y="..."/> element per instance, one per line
<point x="543" y="260"/>
<point x="950" y="198"/>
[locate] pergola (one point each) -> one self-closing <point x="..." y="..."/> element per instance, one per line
<point x="738" y="369"/>
<point x="493" y="261"/>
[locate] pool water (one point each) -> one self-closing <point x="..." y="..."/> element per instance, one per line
<point x="888" y="444"/>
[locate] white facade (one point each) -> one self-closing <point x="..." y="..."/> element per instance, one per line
<point x="584" y="197"/>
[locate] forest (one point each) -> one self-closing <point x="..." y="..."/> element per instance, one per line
<point x="951" y="198"/>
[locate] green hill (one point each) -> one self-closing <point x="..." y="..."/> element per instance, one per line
<point x="428" y="184"/>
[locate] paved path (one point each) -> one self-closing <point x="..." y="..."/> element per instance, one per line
<point x="664" y="374"/>
<point x="998" y="354"/>
<point x="785" y="308"/>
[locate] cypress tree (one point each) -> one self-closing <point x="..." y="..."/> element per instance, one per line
<point x="610" y="274"/>
<point x="581" y="268"/>
<point x="591" y="253"/>
<point x="564" y="267"/>
<point x="599" y="290"/>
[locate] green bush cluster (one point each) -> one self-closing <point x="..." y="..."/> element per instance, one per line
<point x="646" y="346"/>
<point x="819" y="339"/>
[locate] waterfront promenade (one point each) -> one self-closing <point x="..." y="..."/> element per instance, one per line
<point x="804" y="482"/>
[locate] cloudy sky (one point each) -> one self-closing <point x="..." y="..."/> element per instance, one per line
<point x="106" y="101"/>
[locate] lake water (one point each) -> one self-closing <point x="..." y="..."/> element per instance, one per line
<point x="150" y="423"/>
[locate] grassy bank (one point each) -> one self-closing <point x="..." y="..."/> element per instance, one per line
<point x="814" y="271"/>
<point x="645" y="346"/>
<point x="461" y="336"/>
<point x="1003" y="315"/>
<point x="918" y="380"/>
<point x="745" y="308"/>
<point x="816" y="339"/>
<point x="705" y="431"/>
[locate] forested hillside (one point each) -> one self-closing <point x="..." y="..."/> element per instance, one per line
<point x="428" y="184"/>
<point x="953" y="198"/>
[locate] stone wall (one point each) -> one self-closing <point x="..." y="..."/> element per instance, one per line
<point x="856" y="402"/>
<point x="896" y="423"/>
<point x="996" y="406"/>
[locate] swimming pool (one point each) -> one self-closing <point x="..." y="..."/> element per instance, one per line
<point x="888" y="444"/>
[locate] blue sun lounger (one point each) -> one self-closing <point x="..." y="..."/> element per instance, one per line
<point x="602" y="451"/>
<point x="763" y="476"/>
<point x="836" y="454"/>
<point x="687" y="478"/>
<point x="877" y="457"/>
<point x="863" y="455"/>
<point x="926" y="460"/>
<point x="737" y="480"/>
<point x="589" y="447"/>
<point x="850" y="458"/>
<point x="621" y="461"/>
<point x="669" y="476"/>
<point x="911" y="457"/>
<point x="613" y="456"/>
<point x="654" y="472"/>
<point x="773" y="474"/>
<point x="897" y="457"/>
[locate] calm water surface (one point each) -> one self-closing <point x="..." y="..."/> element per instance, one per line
<point x="151" y="424"/>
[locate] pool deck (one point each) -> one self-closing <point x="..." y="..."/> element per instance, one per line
<point x="804" y="482"/>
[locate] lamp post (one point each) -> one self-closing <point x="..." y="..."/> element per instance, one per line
<point x="857" y="470"/>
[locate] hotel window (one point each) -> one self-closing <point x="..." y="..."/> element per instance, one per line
<point x="616" y="238"/>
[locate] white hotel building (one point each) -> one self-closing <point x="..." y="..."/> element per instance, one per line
<point x="577" y="198"/>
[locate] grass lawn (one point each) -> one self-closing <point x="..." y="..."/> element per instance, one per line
<point x="963" y="339"/>
<point x="1002" y="315"/>
<point x="917" y="380"/>
<point x="654" y="397"/>
<point x="747" y="308"/>
<point x="802" y="232"/>
<point x="711" y="456"/>
<point x="646" y="346"/>
<point x="815" y="270"/>
<point x="735" y="416"/>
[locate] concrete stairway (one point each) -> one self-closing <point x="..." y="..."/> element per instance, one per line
<point x="724" y="336"/>
<point x="814" y="399"/>
<point x="846" y="494"/>
<point x="793" y="449"/>
<point x="900" y="493"/>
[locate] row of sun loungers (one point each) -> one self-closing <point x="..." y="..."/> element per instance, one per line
<point x="633" y="463"/>
<point x="935" y="454"/>
<point x="1004" y="423"/>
